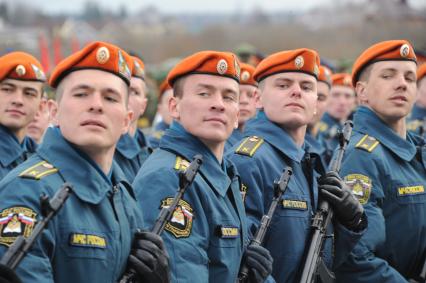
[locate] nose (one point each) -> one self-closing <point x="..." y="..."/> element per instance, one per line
<point x="18" y="98"/>
<point x="96" y="103"/>
<point x="296" y="91"/>
<point x="243" y="99"/>
<point x="217" y="103"/>
<point x="400" y="82"/>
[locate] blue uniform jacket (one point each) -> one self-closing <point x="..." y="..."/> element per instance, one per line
<point x="11" y="152"/>
<point x="235" y="137"/>
<point x="261" y="159"/>
<point x="154" y="138"/>
<point x="131" y="153"/>
<point x="327" y="135"/>
<point x="205" y="237"/>
<point x="388" y="175"/>
<point x="89" y="239"/>
<point x="416" y="121"/>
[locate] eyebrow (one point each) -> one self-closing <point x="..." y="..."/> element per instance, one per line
<point x="8" y="84"/>
<point x="210" y="87"/>
<point x="81" y="86"/>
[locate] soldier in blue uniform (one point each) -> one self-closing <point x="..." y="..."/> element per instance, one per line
<point x="341" y="103"/>
<point x="91" y="237"/>
<point x="416" y="121"/>
<point x="132" y="149"/>
<point x="21" y="89"/>
<point x="247" y="102"/>
<point x="275" y="140"/>
<point x="385" y="167"/>
<point x="206" y="237"/>
<point x="323" y="92"/>
<point x="165" y="93"/>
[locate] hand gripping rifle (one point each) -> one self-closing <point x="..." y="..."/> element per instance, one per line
<point x="314" y="264"/>
<point x="185" y="180"/>
<point x="279" y="188"/>
<point x="49" y="208"/>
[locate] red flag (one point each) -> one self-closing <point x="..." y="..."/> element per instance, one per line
<point x="57" y="53"/>
<point x="44" y="52"/>
<point x="75" y="44"/>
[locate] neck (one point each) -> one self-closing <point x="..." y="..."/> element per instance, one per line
<point x="19" y="134"/>
<point x="241" y="127"/>
<point x="132" y="128"/>
<point x="102" y="157"/>
<point x="398" y="125"/>
<point x="420" y="103"/>
<point x="216" y="148"/>
<point x="297" y="134"/>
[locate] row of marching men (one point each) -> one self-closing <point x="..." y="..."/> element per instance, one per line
<point x="248" y="124"/>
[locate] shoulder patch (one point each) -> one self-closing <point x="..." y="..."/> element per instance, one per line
<point x="367" y="143"/>
<point x="249" y="146"/>
<point x="180" y="225"/>
<point x="38" y="171"/>
<point x="16" y="221"/>
<point x="360" y="185"/>
<point x="181" y="164"/>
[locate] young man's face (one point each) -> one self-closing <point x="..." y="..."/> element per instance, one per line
<point x="19" y="102"/>
<point x="390" y="90"/>
<point x="247" y="103"/>
<point x="208" y="107"/>
<point x="421" y="92"/>
<point x="163" y="106"/>
<point x="341" y="102"/>
<point x="323" y="93"/>
<point x="289" y="99"/>
<point x="137" y="98"/>
<point x="41" y="121"/>
<point x="92" y="111"/>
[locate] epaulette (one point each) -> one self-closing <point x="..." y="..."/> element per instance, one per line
<point x="181" y="164"/>
<point x="414" y="125"/>
<point x="249" y="146"/>
<point x="38" y="171"/>
<point x="158" y="134"/>
<point x="321" y="126"/>
<point x="367" y="143"/>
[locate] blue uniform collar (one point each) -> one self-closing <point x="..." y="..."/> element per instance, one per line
<point x="128" y="146"/>
<point x="10" y="148"/>
<point x="177" y="140"/>
<point x="90" y="183"/>
<point x="273" y="134"/>
<point x="140" y="139"/>
<point x="314" y="145"/>
<point x="367" y="122"/>
<point x="161" y="126"/>
<point x="418" y="113"/>
<point x="330" y="121"/>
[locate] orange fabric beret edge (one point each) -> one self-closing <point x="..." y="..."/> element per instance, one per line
<point x="138" y="69"/>
<point x="247" y="72"/>
<point x="299" y="60"/>
<point x="216" y="63"/>
<point x="421" y="72"/>
<point x="21" y="66"/>
<point x="342" y="79"/>
<point x="392" y="50"/>
<point x="325" y="75"/>
<point x="96" y="56"/>
<point x="164" y="86"/>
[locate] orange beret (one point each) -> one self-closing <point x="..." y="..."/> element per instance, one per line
<point x="342" y="79"/>
<point x="421" y="72"/>
<point x="164" y="86"/>
<point x="96" y="55"/>
<point x="392" y="50"/>
<point x="21" y="66"/>
<point x="207" y="62"/>
<point x="299" y="60"/>
<point x="325" y="75"/>
<point x="138" y="69"/>
<point x="246" y="77"/>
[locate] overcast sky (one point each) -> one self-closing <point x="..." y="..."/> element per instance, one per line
<point x="176" y="6"/>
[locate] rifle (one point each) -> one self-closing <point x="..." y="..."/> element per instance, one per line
<point x="279" y="188"/>
<point x="49" y="208"/>
<point x="185" y="180"/>
<point x="314" y="264"/>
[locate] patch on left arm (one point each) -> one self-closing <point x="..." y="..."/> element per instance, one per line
<point x="360" y="185"/>
<point x="16" y="221"/>
<point x="180" y="225"/>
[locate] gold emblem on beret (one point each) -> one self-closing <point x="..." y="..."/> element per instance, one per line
<point x="138" y="70"/>
<point x="404" y="50"/>
<point x="102" y="55"/>
<point x="222" y="66"/>
<point x="347" y="80"/>
<point x="123" y="68"/>
<point x="299" y="62"/>
<point x="38" y="73"/>
<point x="327" y="74"/>
<point x="20" y="70"/>
<point x="237" y="68"/>
<point x="245" y="76"/>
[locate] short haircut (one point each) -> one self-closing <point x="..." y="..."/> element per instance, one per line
<point x="178" y="87"/>
<point x="364" y="76"/>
